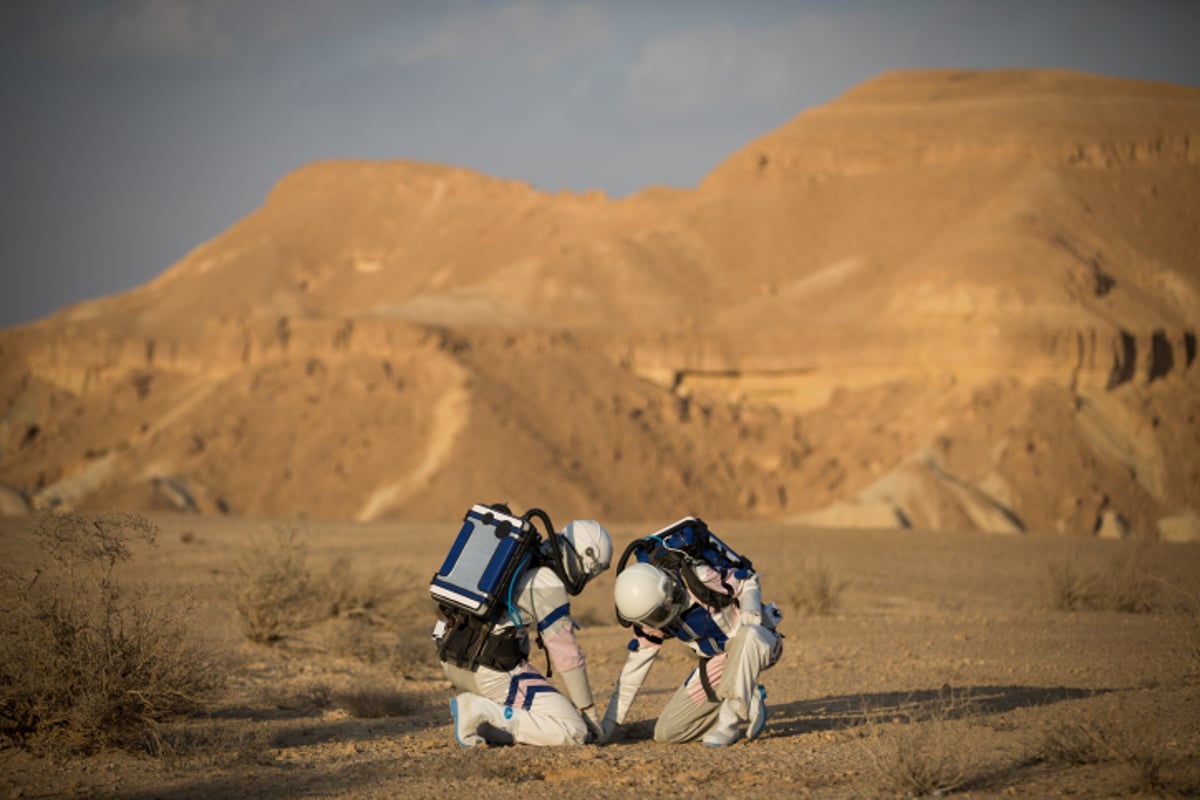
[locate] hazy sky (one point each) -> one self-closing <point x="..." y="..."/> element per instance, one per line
<point x="135" y="130"/>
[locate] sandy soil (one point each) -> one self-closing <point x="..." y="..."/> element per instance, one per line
<point x="941" y="645"/>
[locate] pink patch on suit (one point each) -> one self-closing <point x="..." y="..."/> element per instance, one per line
<point x="564" y="650"/>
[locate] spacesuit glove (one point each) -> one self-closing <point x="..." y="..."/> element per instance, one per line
<point x="596" y="731"/>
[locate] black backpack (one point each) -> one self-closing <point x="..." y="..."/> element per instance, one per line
<point x="474" y="587"/>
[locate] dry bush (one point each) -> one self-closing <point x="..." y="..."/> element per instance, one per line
<point x="391" y="624"/>
<point x="1116" y="585"/>
<point x="921" y="751"/>
<point x="276" y="595"/>
<point x="407" y="649"/>
<point x="377" y="596"/>
<point x="1068" y="743"/>
<point x="85" y="662"/>
<point x="815" y="590"/>
<point x="1070" y="587"/>
<point x="1140" y="752"/>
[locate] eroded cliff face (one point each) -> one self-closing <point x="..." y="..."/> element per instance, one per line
<point x="948" y="300"/>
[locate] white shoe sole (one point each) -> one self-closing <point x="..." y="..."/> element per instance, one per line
<point x="713" y="741"/>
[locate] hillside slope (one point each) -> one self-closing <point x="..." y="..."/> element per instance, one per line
<point x="947" y="299"/>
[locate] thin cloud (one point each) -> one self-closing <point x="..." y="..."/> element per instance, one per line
<point x="538" y="35"/>
<point x="163" y="31"/>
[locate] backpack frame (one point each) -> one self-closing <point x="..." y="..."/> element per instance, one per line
<point x="474" y="587"/>
<point x="682" y="546"/>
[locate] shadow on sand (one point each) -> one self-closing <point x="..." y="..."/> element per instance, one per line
<point x="846" y="711"/>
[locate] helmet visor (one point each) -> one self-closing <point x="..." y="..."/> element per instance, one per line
<point x="669" y="610"/>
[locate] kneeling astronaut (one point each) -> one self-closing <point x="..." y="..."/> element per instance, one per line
<point x="715" y="609"/>
<point x="504" y="699"/>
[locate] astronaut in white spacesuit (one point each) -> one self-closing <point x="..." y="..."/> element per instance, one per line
<point x="506" y="700"/>
<point x="719" y="614"/>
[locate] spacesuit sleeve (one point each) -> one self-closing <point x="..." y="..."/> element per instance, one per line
<point x="556" y="627"/>
<point x="750" y="600"/>
<point x="642" y="652"/>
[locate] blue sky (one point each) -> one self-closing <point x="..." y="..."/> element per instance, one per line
<point x="135" y="130"/>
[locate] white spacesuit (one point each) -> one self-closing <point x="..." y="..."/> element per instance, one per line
<point x="735" y="643"/>
<point x="519" y="705"/>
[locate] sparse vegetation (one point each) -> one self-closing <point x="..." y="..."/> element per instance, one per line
<point x="1115" y="585"/>
<point x="278" y="594"/>
<point x="87" y="663"/>
<point x="374" y="596"/>
<point x="920" y="751"/>
<point x="815" y="590"/>
<point x="275" y="595"/>
<point x="1140" y="753"/>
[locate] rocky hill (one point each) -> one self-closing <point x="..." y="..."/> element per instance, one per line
<point x="945" y="300"/>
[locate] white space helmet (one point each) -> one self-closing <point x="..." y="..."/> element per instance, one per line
<point x="590" y="549"/>
<point x="647" y="595"/>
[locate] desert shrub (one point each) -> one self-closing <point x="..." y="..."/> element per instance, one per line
<point x="921" y="751"/>
<point x="383" y="618"/>
<point x="278" y="593"/>
<point x="814" y="590"/>
<point x="1070" y="587"/>
<point x="86" y="662"/>
<point x="1116" y="585"/>
<point x="275" y="593"/>
<point x="375" y="596"/>
<point x="1069" y="743"/>
<point x="406" y="649"/>
<point x="1139" y="752"/>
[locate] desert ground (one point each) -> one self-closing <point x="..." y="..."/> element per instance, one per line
<point x="915" y="662"/>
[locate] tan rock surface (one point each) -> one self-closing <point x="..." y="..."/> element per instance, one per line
<point x="948" y="299"/>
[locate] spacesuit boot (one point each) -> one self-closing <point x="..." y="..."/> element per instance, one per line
<point x="758" y="712"/>
<point x="725" y="732"/>
<point x="473" y="714"/>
